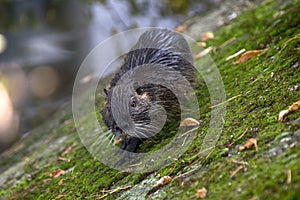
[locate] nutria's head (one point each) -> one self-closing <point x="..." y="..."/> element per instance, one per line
<point x="138" y="105"/>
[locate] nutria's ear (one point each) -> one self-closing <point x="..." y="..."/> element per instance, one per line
<point x="105" y="91"/>
<point x="136" y="85"/>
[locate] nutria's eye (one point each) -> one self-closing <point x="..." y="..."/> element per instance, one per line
<point x="139" y="91"/>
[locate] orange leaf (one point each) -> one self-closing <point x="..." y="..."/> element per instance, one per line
<point x="189" y="122"/>
<point x="164" y="180"/>
<point x="64" y="159"/>
<point x="248" y="55"/>
<point x="292" y="108"/>
<point x="201" y="193"/>
<point x="56" y="173"/>
<point x="68" y="150"/>
<point x="207" y="36"/>
<point x="249" y="144"/>
<point x="181" y="28"/>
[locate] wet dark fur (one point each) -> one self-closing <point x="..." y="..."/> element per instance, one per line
<point x="172" y="52"/>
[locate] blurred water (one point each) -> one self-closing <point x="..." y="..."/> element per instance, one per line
<point x="44" y="41"/>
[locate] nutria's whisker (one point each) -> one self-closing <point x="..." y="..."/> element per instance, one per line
<point x="147" y="129"/>
<point x="111" y="139"/>
<point x="139" y="133"/>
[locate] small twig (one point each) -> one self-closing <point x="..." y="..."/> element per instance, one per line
<point x="200" y="152"/>
<point x="235" y="54"/>
<point x="108" y="192"/>
<point x="260" y="77"/>
<point x="188" y="172"/>
<point x="173" y="168"/>
<point x="137" y="164"/>
<point x="286" y="42"/>
<point x="238" y="137"/>
<point x="225" y="101"/>
<point x="232" y="174"/>
<point x="193" y="129"/>
<point x="239" y="162"/>
<point x="289" y="176"/>
<point x="227" y="42"/>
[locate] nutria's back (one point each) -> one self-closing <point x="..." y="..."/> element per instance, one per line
<point x="168" y="53"/>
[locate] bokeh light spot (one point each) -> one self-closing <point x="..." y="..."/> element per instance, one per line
<point x="3" y="43"/>
<point x="43" y="81"/>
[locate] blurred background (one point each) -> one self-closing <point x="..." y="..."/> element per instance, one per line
<point x="43" y="42"/>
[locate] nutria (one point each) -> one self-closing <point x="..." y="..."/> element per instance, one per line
<point x="168" y="50"/>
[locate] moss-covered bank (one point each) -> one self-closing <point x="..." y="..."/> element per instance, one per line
<point x="262" y="87"/>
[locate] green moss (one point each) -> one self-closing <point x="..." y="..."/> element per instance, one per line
<point x="264" y="84"/>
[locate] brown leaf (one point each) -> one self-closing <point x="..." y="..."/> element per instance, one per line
<point x="60" y="196"/>
<point x="181" y="28"/>
<point x="201" y="44"/>
<point x="248" y="55"/>
<point x="282" y="114"/>
<point x="207" y="36"/>
<point x="201" y="193"/>
<point x="189" y="122"/>
<point x="164" y="180"/>
<point x="68" y="150"/>
<point x="233" y="173"/>
<point x="56" y="173"/>
<point x="292" y="108"/>
<point x="64" y="159"/>
<point x="252" y="142"/>
<point x="242" y="148"/>
<point x="60" y="182"/>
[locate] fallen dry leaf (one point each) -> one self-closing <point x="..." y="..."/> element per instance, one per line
<point x="68" y="150"/>
<point x="181" y="28"/>
<point x="248" y="55"/>
<point x="233" y="173"/>
<point x="252" y="142"/>
<point x="64" y="159"/>
<point x="60" y="182"/>
<point x="201" y="193"/>
<point x="189" y="122"/>
<point x="56" y="173"/>
<point x="60" y="196"/>
<point x="288" y="172"/>
<point x="201" y="44"/>
<point x="292" y="108"/>
<point x="207" y="36"/>
<point x="242" y="148"/>
<point x="164" y="180"/>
